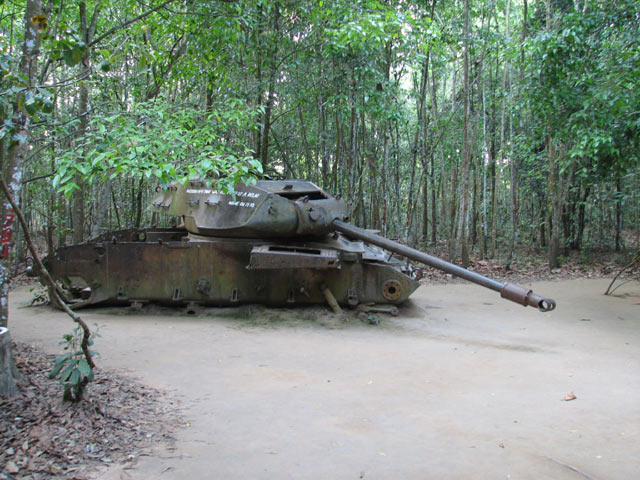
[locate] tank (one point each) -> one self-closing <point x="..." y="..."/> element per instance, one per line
<point x="277" y="243"/>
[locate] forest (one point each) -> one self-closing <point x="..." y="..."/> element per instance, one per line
<point x="481" y="128"/>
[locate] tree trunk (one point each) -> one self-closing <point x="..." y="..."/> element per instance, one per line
<point x="485" y="165"/>
<point x="353" y="146"/>
<point x="418" y="145"/>
<point x="257" y="32"/>
<point x="466" y="149"/>
<point x="515" y="161"/>
<point x="102" y="208"/>
<point x="543" y="222"/>
<point x="444" y="219"/>
<point x="87" y="31"/>
<point x="264" y="153"/>
<point x="14" y="165"/>
<point x="395" y="140"/>
<point x="474" y="206"/>
<point x="337" y="167"/>
<point x="453" y="218"/>
<point x="322" y="137"/>
<point x="374" y="193"/>
<point x="555" y="227"/>
<point x="8" y="372"/>
<point x="568" y="214"/>
<point x="495" y="178"/>
<point x="619" y="244"/>
<point x="385" y="171"/>
<point x="453" y="195"/>
<point x="434" y="212"/>
<point x="432" y="180"/>
<point x="444" y="205"/>
<point x="424" y="182"/>
<point x="359" y="213"/>
<point x="138" y="203"/>
<point x="581" y="218"/>
<point x="13" y="169"/>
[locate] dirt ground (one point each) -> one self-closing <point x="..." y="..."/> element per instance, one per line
<point x="460" y="385"/>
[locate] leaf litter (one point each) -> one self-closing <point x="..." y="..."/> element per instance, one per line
<point x="42" y="437"/>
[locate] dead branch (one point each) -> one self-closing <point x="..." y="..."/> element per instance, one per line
<point x="636" y="259"/>
<point x="44" y="274"/>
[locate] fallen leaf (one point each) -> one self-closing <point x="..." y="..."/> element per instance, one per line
<point x="41" y="431"/>
<point x="11" y="468"/>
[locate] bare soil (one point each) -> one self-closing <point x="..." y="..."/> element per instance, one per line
<point x="460" y="385"/>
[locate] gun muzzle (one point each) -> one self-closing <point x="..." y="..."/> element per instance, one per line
<point x="526" y="297"/>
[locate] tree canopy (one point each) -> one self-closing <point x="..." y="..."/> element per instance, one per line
<point x="484" y="124"/>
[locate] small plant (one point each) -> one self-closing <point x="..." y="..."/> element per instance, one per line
<point x="40" y="296"/>
<point x="72" y="368"/>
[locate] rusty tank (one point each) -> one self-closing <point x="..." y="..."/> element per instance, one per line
<point x="277" y="243"/>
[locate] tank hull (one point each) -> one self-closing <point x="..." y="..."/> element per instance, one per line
<point x="172" y="266"/>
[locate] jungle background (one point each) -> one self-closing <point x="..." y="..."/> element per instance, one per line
<point x="490" y="129"/>
<point x="491" y="132"/>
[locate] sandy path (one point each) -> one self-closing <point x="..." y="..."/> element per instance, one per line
<point x="461" y="385"/>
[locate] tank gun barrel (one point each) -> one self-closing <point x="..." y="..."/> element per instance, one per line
<point x="508" y="291"/>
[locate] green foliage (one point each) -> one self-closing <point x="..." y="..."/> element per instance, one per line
<point x="18" y="93"/>
<point x="193" y="144"/>
<point x="71" y="368"/>
<point x="367" y="26"/>
<point x="67" y="46"/>
<point x="581" y="86"/>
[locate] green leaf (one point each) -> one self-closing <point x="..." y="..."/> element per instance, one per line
<point x="84" y="368"/>
<point x="63" y="358"/>
<point x="30" y="103"/>
<point x="76" y="55"/>
<point x="74" y="379"/>
<point x="56" y="370"/>
<point x="47" y="106"/>
<point x="68" y="58"/>
<point x="67" y="371"/>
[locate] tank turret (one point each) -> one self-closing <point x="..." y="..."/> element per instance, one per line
<point x="269" y="209"/>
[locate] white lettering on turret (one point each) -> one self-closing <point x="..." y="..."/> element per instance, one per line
<point x="242" y="204"/>
<point x="203" y="191"/>
<point x="209" y="191"/>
